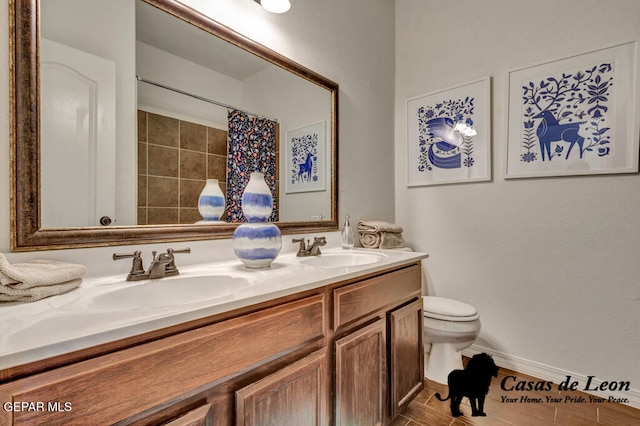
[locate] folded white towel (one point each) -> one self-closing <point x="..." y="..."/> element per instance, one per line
<point x="380" y="235"/>
<point x="17" y="292"/>
<point x="37" y="279"/>
<point x="375" y="226"/>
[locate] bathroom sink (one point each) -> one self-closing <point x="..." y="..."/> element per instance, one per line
<point x="174" y="291"/>
<point x="339" y="260"/>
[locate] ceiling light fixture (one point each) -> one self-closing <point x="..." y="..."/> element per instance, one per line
<point x="275" y="6"/>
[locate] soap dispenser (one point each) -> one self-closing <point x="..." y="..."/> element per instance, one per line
<point x="348" y="238"/>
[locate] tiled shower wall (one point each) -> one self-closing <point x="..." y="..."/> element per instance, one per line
<point x="175" y="158"/>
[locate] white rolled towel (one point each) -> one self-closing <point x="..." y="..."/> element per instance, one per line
<point x="380" y="235"/>
<point x="37" y="279"/>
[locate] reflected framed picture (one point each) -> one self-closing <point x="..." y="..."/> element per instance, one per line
<point x="306" y="158"/>
<point x="448" y="135"/>
<point x="574" y="116"/>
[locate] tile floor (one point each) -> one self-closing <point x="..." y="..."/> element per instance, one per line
<point x="427" y="410"/>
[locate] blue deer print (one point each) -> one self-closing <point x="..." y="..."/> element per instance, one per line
<point x="304" y="174"/>
<point x="549" y="130"/>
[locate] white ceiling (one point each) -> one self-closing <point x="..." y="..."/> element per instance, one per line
<point x="166" y="32"/>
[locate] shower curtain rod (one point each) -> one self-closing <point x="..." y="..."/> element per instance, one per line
<point x="200" y="98"/>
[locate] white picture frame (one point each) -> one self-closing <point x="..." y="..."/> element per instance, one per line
<point x="306" y="158"/>
<point x="574" y="116"/>
<point x="448" y="135"/>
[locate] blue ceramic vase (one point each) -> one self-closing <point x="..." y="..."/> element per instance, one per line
<point x="257" y="243"/>
<point x="211" y="201"/>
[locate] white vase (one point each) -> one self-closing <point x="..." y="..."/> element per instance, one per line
<point x="257" y="201"/>
<point x="257" y="243"/>
<point x="211" y="201"/>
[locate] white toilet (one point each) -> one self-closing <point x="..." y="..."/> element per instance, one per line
<point x="449" y="327"/>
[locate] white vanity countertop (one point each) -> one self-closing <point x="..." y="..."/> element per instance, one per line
<point x="61" y="324"/>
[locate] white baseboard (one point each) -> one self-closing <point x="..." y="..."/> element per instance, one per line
<point x="553" y="374"/>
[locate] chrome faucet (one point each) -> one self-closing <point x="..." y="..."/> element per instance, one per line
<point x="158" y="267"/>
<point x="310" y="249"/>
<point x="163" y="265"/>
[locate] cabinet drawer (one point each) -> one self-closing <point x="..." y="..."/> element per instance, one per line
<point x="358" y="300"/>
<point x="119" y="385"/>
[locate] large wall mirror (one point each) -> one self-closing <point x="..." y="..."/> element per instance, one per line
<point x="122" y="110"/>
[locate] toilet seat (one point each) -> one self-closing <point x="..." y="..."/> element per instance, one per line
<point x="445" y="309"/>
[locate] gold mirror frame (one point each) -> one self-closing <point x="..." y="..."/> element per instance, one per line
<point x="27" y="234"/>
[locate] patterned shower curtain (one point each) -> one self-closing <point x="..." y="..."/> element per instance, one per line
<point x="251" y="147"/>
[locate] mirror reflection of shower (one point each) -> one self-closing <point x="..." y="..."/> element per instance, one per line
<point x="193" y="152"/>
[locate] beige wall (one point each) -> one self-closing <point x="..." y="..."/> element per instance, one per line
<point x="550" y="263"/>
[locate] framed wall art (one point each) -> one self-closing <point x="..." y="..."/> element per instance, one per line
<point x="306" y="159"/>
<point x="448" y="135"/>
<point x="574" y="116"/>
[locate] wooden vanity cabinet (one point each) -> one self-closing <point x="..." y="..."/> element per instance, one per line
<point x="162" y="380"/>
<point x="346" y="353"/>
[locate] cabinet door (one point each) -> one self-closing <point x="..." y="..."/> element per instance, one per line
<point x="297" y="395"/>
<point x="405" y="343"/>
<point x="361" y="372"/>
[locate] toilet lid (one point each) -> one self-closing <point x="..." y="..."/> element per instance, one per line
<point x="448" y="309"/>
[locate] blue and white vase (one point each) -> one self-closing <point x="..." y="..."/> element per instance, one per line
<point x="257" y="201"/>
<point x="211" y="202"/>
<point x="257" y="243"/>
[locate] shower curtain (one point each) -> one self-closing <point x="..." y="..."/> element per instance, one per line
<point x="251" y="147"/>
